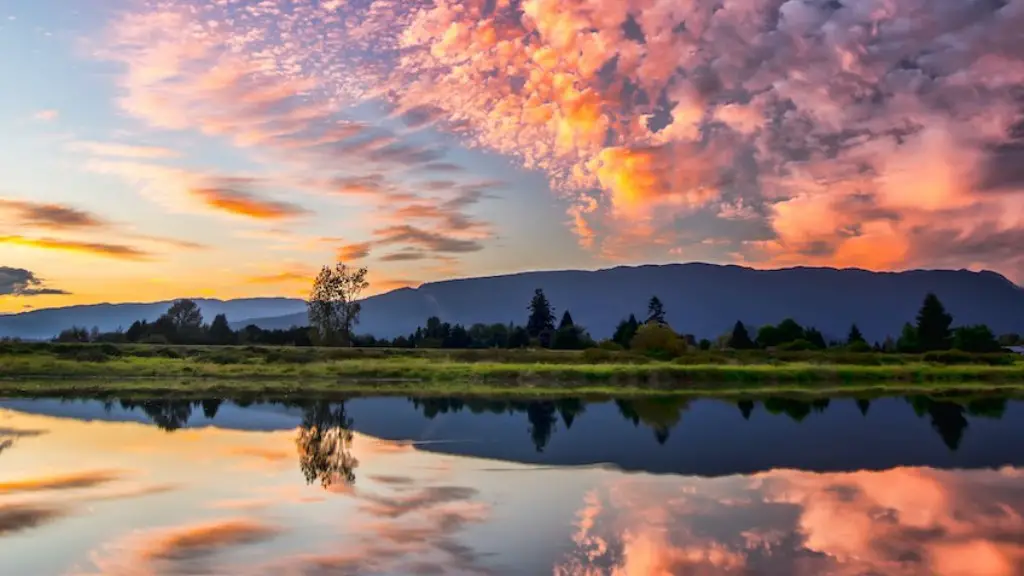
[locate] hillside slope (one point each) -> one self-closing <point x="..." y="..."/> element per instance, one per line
<point x="702" y="299"/>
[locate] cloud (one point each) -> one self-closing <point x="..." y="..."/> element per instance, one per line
<point x="47" y="115"/>
<point x="124" y="150"/>
<point x="427" y="240"/>
<point x="20" y="517"/>
<point x="350" y="252"/>
<point x="70" y="481"/>
<point x="116" y="251"/>
<point x="21" y="282"/>
<point x="239" y="203"/>
<point x="49" y="216"/>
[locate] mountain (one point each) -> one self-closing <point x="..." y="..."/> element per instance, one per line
<point x="47" y="323"/>
<point x="701" y="299"/>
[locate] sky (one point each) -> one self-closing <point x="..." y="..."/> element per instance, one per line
<point x="229" y="148"/>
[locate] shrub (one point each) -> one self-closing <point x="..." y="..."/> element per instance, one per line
<point x="599" y="355"/>
<point x="859" y="346"/>
<point x="657" y="341"/>
<point x="799" y="344"/>
<point x="610" y="345"/>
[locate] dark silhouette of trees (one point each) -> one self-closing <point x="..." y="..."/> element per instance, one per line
<point x="908" y="342"/>
<point x="863" y="404"/>
<point x="625" y="331"/>
<point x="541" y="322"/>
<point x="746" y="408"/>
<point x="333" y="304"/>
<point x="655" y="311"/>
<point x="978" y="339"/>
<point x="541" y="416"/>
<point x="210" y="408"/>
<point x="186" y="318"/>
<point x="220" y="331"/>
<point x="740" y="339"/>
<point x="324" y="444"/>
<point x="947" y="418"/>
<point x="854" y="336"/>
<point x="933" y="322"/>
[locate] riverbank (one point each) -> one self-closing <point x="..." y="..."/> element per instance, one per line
<point x="57" y="368"/>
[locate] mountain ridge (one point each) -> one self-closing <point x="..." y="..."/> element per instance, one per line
<point x="700" y="298"/>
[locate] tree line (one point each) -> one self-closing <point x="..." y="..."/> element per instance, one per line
<point x="334" y="309"/>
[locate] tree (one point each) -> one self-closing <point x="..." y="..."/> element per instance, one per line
<point x="655" y="311"/>
<point x="137" y="331"/>
<point x="1011" y="339"/>
<point x="908" y="342"/>
<point x="542" y="316"/>
<point x="740" y="340"/>
<point x="815" y="337"/>
<point x="933" y="324"/>
<point x="73" y="334"/>
<point x="789" y="330"/>
<point x="977" y="338"/>
<point x="333" y="303"/>
<point x="186" y="317"/>
<point x="659" y="341"/>
<point x="855" y="335"/>
<point x="704" y="344"/>
<point x="625" y="331"/>
<point x="518" y="338"/>
<point x="221" y="332"/>
<point x="566" y="321"/>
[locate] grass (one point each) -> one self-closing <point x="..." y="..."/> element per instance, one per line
<point x="93" y="368"/>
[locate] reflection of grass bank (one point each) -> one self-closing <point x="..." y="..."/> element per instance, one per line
<point x="56" y="367"/>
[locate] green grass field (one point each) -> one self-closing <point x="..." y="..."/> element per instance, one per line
<point x="37" y="368"/>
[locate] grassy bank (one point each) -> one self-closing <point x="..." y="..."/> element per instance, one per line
<point x="38" y="368"/>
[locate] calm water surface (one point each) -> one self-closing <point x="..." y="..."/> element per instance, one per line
<point x="901" y="486"/>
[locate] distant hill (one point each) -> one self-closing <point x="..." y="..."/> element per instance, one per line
<point x="701" y="299"/>
<point x="47" y="323"/>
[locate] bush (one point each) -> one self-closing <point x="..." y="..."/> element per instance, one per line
<point x="657" y="341"/>
<point x="859" y="347"/>
<point x="610" y="345"/>
<point x="797" y="345"/>
<point x="599" y="355"/>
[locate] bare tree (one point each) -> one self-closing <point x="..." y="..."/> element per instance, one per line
<point x="333" y="303"/>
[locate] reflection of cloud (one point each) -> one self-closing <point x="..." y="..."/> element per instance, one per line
<point x="900" y="522"/>
<point x="88" y="479"/>
<point x="180" y="549"/>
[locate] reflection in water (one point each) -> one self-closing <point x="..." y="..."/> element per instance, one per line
<point x="213" y="488"/>
<point x="324" y="444"/>
<point x="325" y="423"/>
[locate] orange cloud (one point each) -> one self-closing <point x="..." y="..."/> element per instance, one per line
<point x="350" y="252"/>
<point x="48" y="215"/>
<point x="18" y="517"/>
<point x="91" y="248"/>
<point x="245" y="204"/>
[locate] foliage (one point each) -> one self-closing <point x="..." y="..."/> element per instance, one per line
<point x="625" y="331"/>
<point x="978" y="338"/>
<point x="658" y="341"/>
<point x="333" y="303"/>
<point x="908" y="341"/>
<point x="542" y="316"/>
<point x="739" y="339"/>
<point x="655" y="311"/>
<point x="854" y="336"/>
<point x="220" y="331"/>
<point x="933" y="325"/>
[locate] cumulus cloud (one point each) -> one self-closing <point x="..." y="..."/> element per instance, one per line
<point x="21" y="282"/>
<point x="783" y="113"/>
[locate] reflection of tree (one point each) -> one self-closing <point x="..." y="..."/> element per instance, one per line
<point x="947" y="418"/>
<point x="210" y="408"/>
<point x="746" y="408"/>
<point x="661" y="414"/>
<point x="569" y="408"/>
<point x="169" y="415"/>
<point x="863" y="404"/>
<point x="795" y="409"/>
<point x="324" y="444"/>
<point x="542" y="422"/>
<point x="987" y="407"/>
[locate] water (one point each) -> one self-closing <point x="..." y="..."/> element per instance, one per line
<point x="900" y="486"/>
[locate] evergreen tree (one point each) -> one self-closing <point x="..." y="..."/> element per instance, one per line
<point x="855" y="335"/>
<point x="542" y="316"/>
<point x="518" y="338"/>
<point x="740" y="339"/>
<point x="220" y="331"/>
<point x="975" y="339"/>
<point x="625" y="331"/>
<point x="933" y="324"/>
<point x="566" y="321"/>
<point x="816" y="338"/>
<point x="908" y="342"/>
<point x="655" y="311"/>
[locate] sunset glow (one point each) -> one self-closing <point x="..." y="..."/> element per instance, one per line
<point x="162" y="148"/>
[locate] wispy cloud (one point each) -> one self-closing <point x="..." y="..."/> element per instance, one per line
<point x="48" y="215"/>
<point x="124" y="150"/>
<point x="46" y="115"/>
<point x="117" y="251"/>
